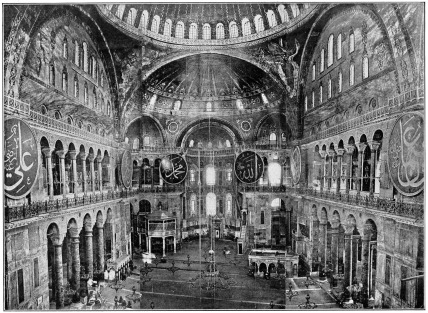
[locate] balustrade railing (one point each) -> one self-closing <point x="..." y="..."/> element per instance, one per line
<point x="13" y="105"/>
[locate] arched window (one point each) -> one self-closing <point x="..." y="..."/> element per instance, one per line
<point x="339" y="46"/>
<point x="64" y="79"/>
<point x="314" y="71"/>
<point x="258" y="22"/>
<point x="155" y="24"/>
<point x="108" y="108"/>
<point x="102" y="80"/>
<point x="179" y="30"/>
<point x="76" y="53"/>
<point x="144" y="19"/>
<point x="210" y="175"/>
<point x="239" y="104"/>
<point x="229" y="175"/>
<point x="264" y="98"/>
<point x="191" y="143"/>
<point x="306" y="103"/>
<point x="57" y="115"/>
<point x="94" y="67"/>
<point x="271" y="18"/>
<point x="76" y="87"/>
<point x="126" y="139"/>
<point x="152" y="101"/>
<point x="322" y="58"/>
<point x="313" y="98"/>
<point x="351" y="75"/>
<point x="295" y="10"/>
<point x="44" y="110"/>
<point x="193" y="31"/>
<point x="65" y="48"/>
<point x="80" y="125"/>
<point x="131" y="16"/>
<point x="246" y="28"/>
<point x="177" y="105"/>
<point x="233" y="30"/>
<point x="272" y="138"/>
<point x="320" y="93"/>
<point x="120" y="10"/>
<point x="211" y="204"/>
<point x="274" y="173"/>
<point x="206" y="32"/>
<point x="219" y="31"/>
<point x="95" y="104"/>
<point x="351" y="41"/>
<point x="85" y="57"/>
<point x="329" y="93"/>
<point x="146" y="141"/>
<point x="89" y="128"/>
<point x="52" y="74"/>
<point x="192" y="175"/>
<point x="365" y="67"/>
<point x="85" y="94"/>
<point x="339" y="87"/>
<point x="330" y="50"/>
<point x="228" y="204"/>
<point x="167" y="28"/>
<point x="90" y="66"/>
<point x="136" y="144"/>
<point x="262" y="217"/>
<point x="228" y="143"/>
<point x="283" y="13"/>
<point x="69" y="120"/>
<point x="209" y="107"/>
<point x="193" y="204"/>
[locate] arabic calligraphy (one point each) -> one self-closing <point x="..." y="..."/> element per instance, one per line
<point x="296" y="165"/>
<point x="406" y="154"/>
<point x="20" y="159"/>
<point x="126" y="169"/>
<point x="249" y="167"/>
<point x="173" y="169"/>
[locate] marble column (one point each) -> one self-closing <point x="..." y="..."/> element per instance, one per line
<point x="89" y="252"/>
<point x="100" y="172"/>
<point x="334" y="248"/>
<point x="365" y="262"/>
<point x="100" y="250"/>
<point x="315" y="240"/>
<point x="74" y="169"/>
<point x="150" y="244"/>
<point x="340" y="153"/>
<point x="322" y="244"/>
<point x="374" y="147"/>
<point x="59" y="280"/>
<point x="75" y="255"/>
<point x="355" y="241"/>
<point x="92" y="169"/>
<point x="82" y="156"/>
<point x="331" y="154"/>
<point x="48" y="155"/>
<point x="348" y="259"/>
<point x="63" y="183"/>
<point x="350" y="152"/>
<point x="362" y="147"/>
<point x="322" y="183"/>
<point x="163" y="247"/>
<point x="175" y="245"/>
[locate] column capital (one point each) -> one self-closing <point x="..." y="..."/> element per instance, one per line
<point x="331" y="153"/>
<point x="340" y="152"/>
<point x="91" y="157"/>
<point x="75" y="240"/>
<point x="99" y="225"/>
<point x="82" y="156"/>
<point x="350" y="149"/>
<point x="361" y="147"/>
<point x="61" y="153"/>
<point x="47" y="151"/>
<point x="99" y="158"/>
<point x="322" y="154"/>
<point x="72" y="154"/>
<point x="374" y="145"/>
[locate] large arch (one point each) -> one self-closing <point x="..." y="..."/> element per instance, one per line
<point x="187" y="130"/>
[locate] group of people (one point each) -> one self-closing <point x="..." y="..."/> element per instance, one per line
<point x="121" y="274"/>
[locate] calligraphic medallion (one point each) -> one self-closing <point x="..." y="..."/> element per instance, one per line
<point x="249" y="167"/>
<point x="173" y="169"/>
<point x="406" y="154"/>
<point x="21" y="162"/>
<point x="126" y="169"/>
<point x="296" y="165"/>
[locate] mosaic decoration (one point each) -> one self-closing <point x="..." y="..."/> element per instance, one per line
<point x="126" y="169"/>
<point x="249" y="167"/>
<point x="21" y="163"/>
<point x="173" y="169"/>
<point x="406" y="154"/>
<point x="296" y="165"/>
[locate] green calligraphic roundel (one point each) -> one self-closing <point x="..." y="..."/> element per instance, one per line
<point x="406" y="154"/>
<point x="126" y="169"/>
<point x="173" y="169"/>
<point x="21" y="162"/>
<point x="249" y="167"/>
